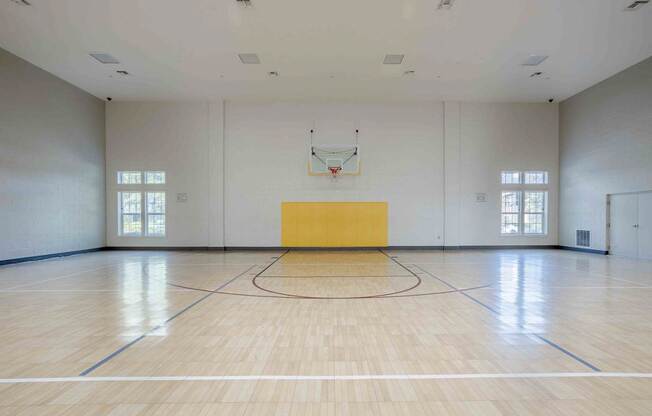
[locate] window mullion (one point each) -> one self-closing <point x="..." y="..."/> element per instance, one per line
<point x="143" y="211"/>
<point x="521" y="209"/>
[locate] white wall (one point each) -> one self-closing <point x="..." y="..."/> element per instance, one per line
<point x="606" y="147"/>
<point x="401" y="158"/>
<point x="427" y="162"/>
<point x="184" y="140"/>
<point x="481" y="141"/>
<point x="51" y="163"/>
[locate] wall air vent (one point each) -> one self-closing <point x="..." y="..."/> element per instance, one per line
<point x="583" y="238"/>
<point x="636" y="4"/>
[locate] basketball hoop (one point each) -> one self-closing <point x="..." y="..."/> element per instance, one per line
<point x="335" y="170"/>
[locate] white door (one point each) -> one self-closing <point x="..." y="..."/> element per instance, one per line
<point x="623" y="236"/>
<point x="645" y="225"/>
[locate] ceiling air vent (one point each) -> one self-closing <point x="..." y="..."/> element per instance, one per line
<point x="534" y="60"/>
<point x="104" y="58"/>
<point x="445" y="4"/>
<point x="636" y="4"/>
<point x="393" y="59"/>
<point x="249" y="58"/>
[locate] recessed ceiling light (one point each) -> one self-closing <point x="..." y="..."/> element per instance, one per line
<point x="445" y="4"/>
<point x="249" y="58"/>
<point x="22" y="2"/>
<point x="104" y="58"/>
<point x="636" y="4"/>
<point x="393" y="59"/>
<point x="534" y="60"/>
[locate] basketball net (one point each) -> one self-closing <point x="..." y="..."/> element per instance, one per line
<point x="335" y="171"/>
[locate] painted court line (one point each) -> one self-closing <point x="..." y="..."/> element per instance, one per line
<point x="134" y="341"/>
<point x="60" y="277"/>
<point x="468" y="376"/>
<point x="494" y="311"/>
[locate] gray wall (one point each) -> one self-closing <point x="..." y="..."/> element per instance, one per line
<point x="605" y="147"/>
<point x="51" y="163"/>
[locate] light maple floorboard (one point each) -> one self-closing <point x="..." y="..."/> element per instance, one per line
<point x="533" y="315"/>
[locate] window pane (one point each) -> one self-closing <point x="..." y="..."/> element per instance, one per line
<point x="533" y="223"/>
<point x="534" y="202"/>
<point x="534" y="212"/>
<point x="156" y="224"/>
<point x="156" y="202"/>
<point x="130" y="216"/>
<point x="511" y="202"/>
<point x="155" y="177"/>
<point x="130" y="202"/>
<point x="129" y="178"/>
<point x="156" y="213"/>
<point x="509" y="224"/>
<point x="510" y="177"/>
<point x="536" y="178"/>
<point x="131" y="224"/>
<point x="511" y="208"/>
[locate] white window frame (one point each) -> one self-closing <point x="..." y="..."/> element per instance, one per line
<point x="118" y="177"/>
<point x="543" y="173"/>
<point x="519" y="222"/>
<point x="162" y="214"/>
<point x="544" y="213"/>
<point x="522" y="188"/>
<point x="144" y="189"/>
<point x="511" y="172"/>
<point x="122" y="214"/>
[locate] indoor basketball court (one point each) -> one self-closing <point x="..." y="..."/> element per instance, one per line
<point x="422" y="207"/>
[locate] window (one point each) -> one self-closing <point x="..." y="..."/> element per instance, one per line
<point x="534" y="212"/>
<point x="524" y="206"/>
<point x="510" y="212"/>
<point x="129" y="178"/>
<point x="155" y="178"/>
<point x="535" y="178"/>
<point x="510" y="177"/>
<point x="156" y="213"/>
<point x="130" y="217"/>
<point x="141" y="209"/>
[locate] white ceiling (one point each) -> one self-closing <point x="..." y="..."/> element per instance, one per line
<point x="329" y="49"/>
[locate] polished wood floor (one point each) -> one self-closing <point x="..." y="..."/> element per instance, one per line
<point x="514" y="332"/>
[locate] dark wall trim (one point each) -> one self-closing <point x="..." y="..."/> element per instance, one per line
<point x="195" y="248"/>
<point x="584" y="250"/>
<point x="165" y="248"/>
<point x="49" y="256"/>
<point x="509" y="247"/>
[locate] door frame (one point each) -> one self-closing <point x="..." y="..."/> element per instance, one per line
<point x="608" y="224"/>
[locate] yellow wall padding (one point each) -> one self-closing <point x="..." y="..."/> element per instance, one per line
<point x="334" y="224"/>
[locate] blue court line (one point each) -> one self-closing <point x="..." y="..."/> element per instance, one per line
<point x="170" y="319"/>
<point x="494" y="311"/>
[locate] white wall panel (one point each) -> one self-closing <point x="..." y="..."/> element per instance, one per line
<point x="51" y="163"/>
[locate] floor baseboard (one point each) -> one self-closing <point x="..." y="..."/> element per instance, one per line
<point x="49" y="256"/>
